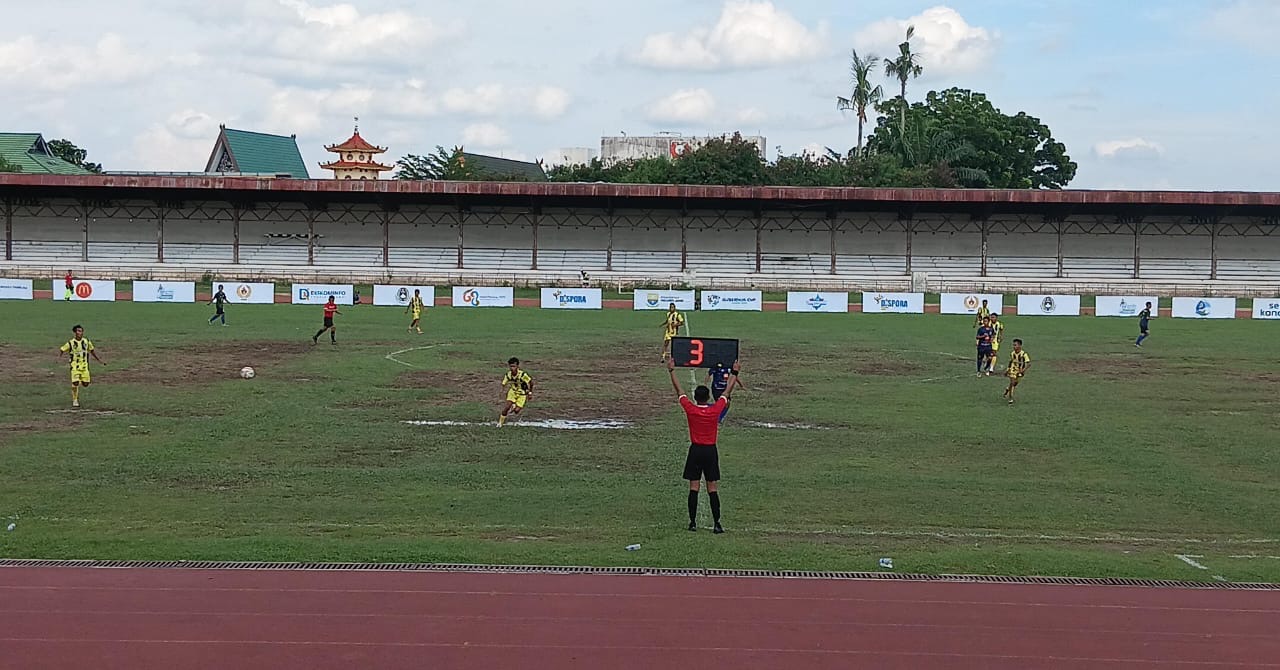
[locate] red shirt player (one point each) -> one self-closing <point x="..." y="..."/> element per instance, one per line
<point x="330" y="308"/>
<point x="70" y="282"/>
<point x="704" y="458"/>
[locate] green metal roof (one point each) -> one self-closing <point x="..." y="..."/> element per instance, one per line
<point x="28" y="151"/>
<point x="499" y="168"/>
<point x="260" y="153"/>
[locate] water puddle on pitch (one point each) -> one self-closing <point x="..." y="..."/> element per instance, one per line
<point x="783" y="426"/>
<point x="553" y="424"/>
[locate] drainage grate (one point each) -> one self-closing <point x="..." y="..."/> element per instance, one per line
<point x="622" y="570"/>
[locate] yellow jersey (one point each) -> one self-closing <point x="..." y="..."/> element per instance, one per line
<point x="415" y="303"/>
<point x="1018" y="362"/>
<point x="674" y="321"/>
<point x="79" y="350"/>
<point x="520" y="383"/>
<point x="983" y="312"/>
<point x="999" y="328"/>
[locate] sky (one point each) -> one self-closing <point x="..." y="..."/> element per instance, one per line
<point x="1177" y="94"/>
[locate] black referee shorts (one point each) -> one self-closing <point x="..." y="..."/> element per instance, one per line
<point x="328" y="322"/>
<point x="703" y="461"/>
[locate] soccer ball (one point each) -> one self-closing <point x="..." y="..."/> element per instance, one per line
<point x="246" y="372"/>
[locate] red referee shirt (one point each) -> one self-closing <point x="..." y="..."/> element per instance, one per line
<point x="329" y="309"/>
<point x="704" y="420"/>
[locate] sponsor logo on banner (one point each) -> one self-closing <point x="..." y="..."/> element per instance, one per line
<point x="1125" y="305"/>
<point x="499" y="296"/>
<point x="1049" y="305"/>
<point x="969" y="303"/>
<point x="394" y="295"/>
<point x="164" y="291"/>
<point x="656" y="299"/>
<point x="892" y="303"/>
<point x="84" y="290"/>
<point x="95" y="290"/>
<point x="1204" y="308"/>
<point x="572" y="298"/>
<point x="731" y="300"/>
<point x="16" y="289"/>
<point x="317" y="294"/>
<point x="471" y="297"/>
<point x="1266" y="308"/>
<point x="805" y="301"/>
<point x="164" y="294"/>
<point x="244" y="292"/>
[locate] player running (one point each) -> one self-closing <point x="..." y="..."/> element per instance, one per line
<point x="670" y="328"/>
<point x="79" y="349"/>
<point x="330" y="308"/>
<point x="704" y="458"/>
<point x="720" y="378"/>
<point x="1019" y="363"/>
<point x="519" y="387"/>
<point x="997" y="338"/>
<point x="70" y="282"/>
<point x="219" y="300"/>
<point x="984" y="339"/>
<point x="415" y="305"/>
<point x="1144" y="319"/>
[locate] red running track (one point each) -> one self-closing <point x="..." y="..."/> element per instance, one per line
<point x="196" y="619"/>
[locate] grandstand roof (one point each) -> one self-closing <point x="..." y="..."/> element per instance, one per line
<point x="251" y="152"/>
<point x="975" y="202"/>
<point x="493" y="166"/>
<point x="29" y="152"/>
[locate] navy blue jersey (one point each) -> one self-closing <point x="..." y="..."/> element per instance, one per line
<point x="986" y="335"/>
<point x="719" y="378"/>
<point x="1143" y="316"/>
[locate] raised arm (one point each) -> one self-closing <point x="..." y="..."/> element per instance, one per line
<point x="671" y="370"/>
<point x="737" y="367"/>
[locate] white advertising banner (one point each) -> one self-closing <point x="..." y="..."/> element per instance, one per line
<point x="484" y="296"/>
<point x="16" y="289"/>
<point x="87" y="290"/>
<point x="1124" y="305"/>
<point x="398" y="295"/>
<point x="656" y="298"/>
<point x="968" y="303"/>
<point x="318" y="294"/>
<point x="164" y="291"/>
<point x="810" y="301"/>
<point x="876" y="302"/>
<point x="1263" y="308"/>
<point x="743" y="301"/>
<point x="1204" y="308"/>
<point x="246" y="293"/>
<point x="572" y="298"/>
<point x="1048" y="305"/>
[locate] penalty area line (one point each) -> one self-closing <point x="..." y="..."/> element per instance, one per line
<point x="392" y="356"/>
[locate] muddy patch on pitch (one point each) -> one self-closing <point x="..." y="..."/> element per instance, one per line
<point x="1109" y="369"/>
<point x="26" y="365"/>
<point x="205" y="363"/>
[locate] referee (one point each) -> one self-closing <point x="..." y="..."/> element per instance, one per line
<point x="703" y="459"/>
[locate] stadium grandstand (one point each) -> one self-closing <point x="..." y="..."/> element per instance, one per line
<point x="701" y="236"/>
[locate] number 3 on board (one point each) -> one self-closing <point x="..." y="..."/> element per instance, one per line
<point x="695" y="352"/>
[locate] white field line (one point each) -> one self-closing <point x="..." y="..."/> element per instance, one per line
<point x="1254" y="556"/>
<point x="1190" y="560"/>
<point x="392" y="356"/>
<point x="940" y="379"/>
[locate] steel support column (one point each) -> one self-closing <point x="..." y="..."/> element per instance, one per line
<point x="831" y="223"/>
<point x="759" y="255"/>
<point x="1061" y="224"/>
<point x="684" y="243"/>
<point x="386" y="238"/>
<point x="311" y="236"/>
<point x="8" y="229"/>
<point x="1137" y="249"/>
<point x="160" y="233"/>
<point x="533" y="216"/>
<point x="911" y="232"/>
<point x="608" y="251"/>
<point x="462" y="219"/>
<point x="84" y="229"/>
<point x="986" y="231"/>
<point x="235" y="234"/>
<point x="1213" y="250"/>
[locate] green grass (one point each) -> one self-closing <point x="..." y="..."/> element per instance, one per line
<point x="1114" y="460"/>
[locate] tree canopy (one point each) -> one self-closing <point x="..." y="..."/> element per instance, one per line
<point x="73" y="154"/>
<point x="6" y="166"/>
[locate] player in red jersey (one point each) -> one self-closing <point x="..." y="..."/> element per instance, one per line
<point x="703" y="459"/>
<point x="330" y="308"/>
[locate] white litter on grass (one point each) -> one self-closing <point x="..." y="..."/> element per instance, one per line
<point x="783" y="426"/>
<point x="12" y="526"/>
<point x="554" y="424"/>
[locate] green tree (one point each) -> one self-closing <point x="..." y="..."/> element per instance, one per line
<point x="906" y="66"/>
<point x="73" y="154"/>
<point x="441" y="165"/>
<point x="863" y="93"/>
<point x="1015" y="152"/>
<point x="729" y="161"/>
<point x="6" y="166"/>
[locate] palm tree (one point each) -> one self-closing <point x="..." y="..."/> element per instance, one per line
<point x="905" y="66"/>
<point x="863" y="94"/>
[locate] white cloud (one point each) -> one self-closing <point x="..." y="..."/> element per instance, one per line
<point x="544" y="102"/>
<point x="341" y="33"/>
<point x="1135" y="147"/>
<point x="484" y="135"/>
<point x="748" y="34"/>
<point x="181" y="143"/>
<point x="484" y="100"/>
<point x="694" y="105"/>
<point x="58" y="67"/>
<point x="947" y="44"/>
<point x="750" y="115"/>
<point x="550" y="102"/>
<point x="1253" y="23"/>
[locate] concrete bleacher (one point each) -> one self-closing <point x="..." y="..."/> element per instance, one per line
<point x="196" y="254"/>
<point x="497" y="259"/>
<point x="871" y="266"/>
<point x="1249" y="270"/>
<point x="646" y="262"/>
<point x="572" y="260"/>
<point x="1030" y="268"/>
<point x="716" y="262"/>
<point x="1097" y="268"/>
<point x="1176" y="268"/>
<point x="348" y="256"/>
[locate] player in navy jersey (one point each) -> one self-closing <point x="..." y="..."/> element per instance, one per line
<point x="986" y="335"/>
<point x="1144" y="318"/>
<point x="720" y="378"/>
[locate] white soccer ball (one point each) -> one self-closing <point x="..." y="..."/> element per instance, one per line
<point x="247" y="372"/>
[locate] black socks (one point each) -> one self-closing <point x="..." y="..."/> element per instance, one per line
<point x="715" y="505"/>
<point x="693" y="506"/>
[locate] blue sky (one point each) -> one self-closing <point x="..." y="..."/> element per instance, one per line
<point x="1169" y="95"/>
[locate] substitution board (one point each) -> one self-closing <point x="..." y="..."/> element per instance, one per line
<point x="703" y="352"/>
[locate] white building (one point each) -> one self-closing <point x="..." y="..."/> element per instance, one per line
<point x="627" y="147"/>
<point x="570" y="156"/>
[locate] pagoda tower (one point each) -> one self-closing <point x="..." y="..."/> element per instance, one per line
<point x="355" y="158"/>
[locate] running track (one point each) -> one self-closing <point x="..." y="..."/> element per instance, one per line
<point x="277" y="619"/>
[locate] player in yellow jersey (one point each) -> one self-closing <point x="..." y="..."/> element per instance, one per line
<point x="519" y="387"/>
<point x="79" y="349"/>
<point x="983" y="313"/>
<point x="670" y="328"/>
<point x="415" y="305"/>
<point x="995" y="342"/>
<point x="1019" y="363"/>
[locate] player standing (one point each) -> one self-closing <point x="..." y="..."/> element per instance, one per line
<point x="1019" y="362"/>
<point x="415" y="305"/>
<point x="330" y="308"/>
<point x="721" y="378"/>
<point x="70" y="282"/>
<point x="704" y="457"/>
<point x="997" y="337"/>
<point x="80" y="350"/>
<point x="1144" y="319"/>
<point x="983" y="313"/>
<point x="218" y="301"/>
<point x="519" y="387"/>
<point x="670" y="328"/>
<point x="984" y="339"/>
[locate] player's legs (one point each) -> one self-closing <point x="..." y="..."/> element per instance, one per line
<point x="75" y="394"/>
<point x="1013" y="384"/>
<point x="666" y="346"/>
<point x="333" y="334"/>
<point x="518" y="405"/>
<point x="1141" y="336"/>
<point x="316" y="338"/>
<point x="712" y="469"/>
<point x="693" y="475"/>
<point x="506" y="409"/>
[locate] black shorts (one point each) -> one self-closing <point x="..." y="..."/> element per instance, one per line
<point x="716" y="393"/>
<point x="1142" y="328"/>
<point x="328" y="322"/>
<point x="702" y="462"/>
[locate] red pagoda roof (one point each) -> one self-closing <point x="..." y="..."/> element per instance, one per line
<point x="356" y="143"/>
<point x="342" y="165"/>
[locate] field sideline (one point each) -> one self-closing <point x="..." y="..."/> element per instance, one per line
<point x="1115" y="462"/>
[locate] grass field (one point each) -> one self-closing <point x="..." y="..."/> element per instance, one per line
<point x="1113" y="462"/>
